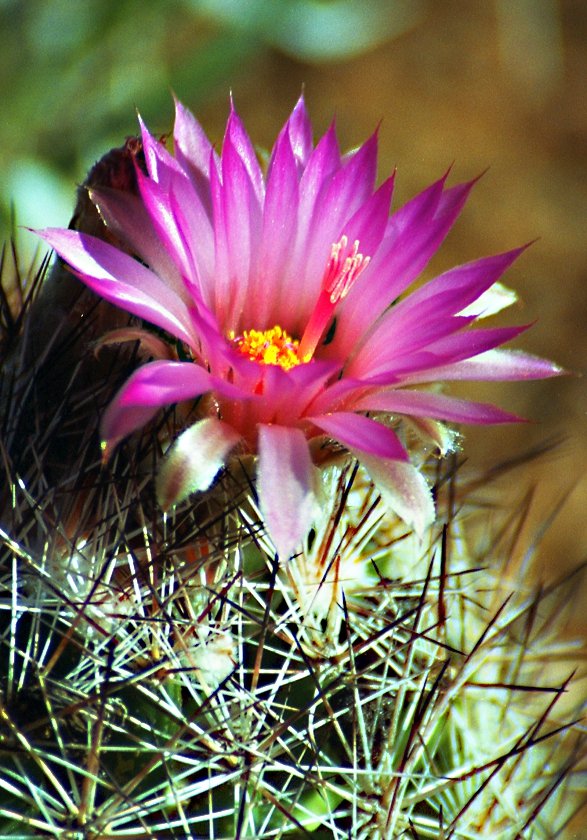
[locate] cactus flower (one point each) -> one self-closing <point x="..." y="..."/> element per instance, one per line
<point x="282" y="295"/>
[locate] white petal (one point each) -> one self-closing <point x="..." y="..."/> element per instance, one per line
<point x="194" y="460"/>
<point x="403" y="489"/>
<point x="496" y="298"/>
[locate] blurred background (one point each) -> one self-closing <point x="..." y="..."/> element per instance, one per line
<point x="499" y="84"/>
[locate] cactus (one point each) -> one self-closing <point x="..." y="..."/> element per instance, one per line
<point x="164" y="674"/>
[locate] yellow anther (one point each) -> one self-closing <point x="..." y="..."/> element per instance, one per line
<point x="269" y="347"/>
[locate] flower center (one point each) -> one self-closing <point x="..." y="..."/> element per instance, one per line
<point x="276" y="346"/>
<point x="269" y="347"/>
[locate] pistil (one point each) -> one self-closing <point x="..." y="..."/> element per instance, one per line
<point x="341" y="272"/>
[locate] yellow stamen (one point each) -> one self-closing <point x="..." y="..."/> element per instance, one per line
<point x="269" y="347"/>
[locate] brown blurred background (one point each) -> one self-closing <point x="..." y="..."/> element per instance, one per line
<point x="498" y="84"/>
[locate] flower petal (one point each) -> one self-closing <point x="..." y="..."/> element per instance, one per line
<point x="152" y="386"/>
<point x="359" y="433"/>
<point x="264" y="304"/>
<point x="450" y="292"/>
<point x="290" y="392"/>
<point x="350" y="188"/>
<point x="492" y="365"/>
<point x="446" y="350"/>
<point x="438" y="406"/>
<point x="491" y="302"/>
<point x="122" y="280"/>
<point x="414" y="234"/>
<point x="237" y="226"/>
<point x="299" y="129"/>
<point x="238" y="141"/>
<point x="160" y="163"/>
<point x="392" y="342"/>
<point x="339" y="396"/>
<point x="323" y="163"/>
<point x="403" y="489"/>
<point x="157" y="202"/>
<point x="370" y="221"/>
<point x="193" y="151"/>
<point x="194" y="460"/>
<point x="127" y="217"/>
<point x="286" y="486"/>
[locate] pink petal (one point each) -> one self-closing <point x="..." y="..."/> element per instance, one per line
<point x="263" y="306"/>
<point x="194" y="460"/>
<point x="183" y="225"/>
<point x="213" y="350"/>
<point x="472" y="342"/>
<point x="496" y="365"/>
<point x="449" y="293"/>
<point x="238" y="141"/>
<point x="237" y="223"/>
<point x="370" y="221"/>
<point x="193" y="151"/>
<point x="221" y="274"/>
<point x="341" y="395"/>
<point x="126" y="216"/>
<point x="299" y="129"/>
<point x="319" y="370"/>
<point x="277" y="396"/>
<point x="122" y="280"/>
<point x="402" y="338"/>
<point x="151" y="387"/>
<point x="307" y="381"/>
<point x="286" y="486"/>
<point x="156" y="199"/>
<point x="322" y="164"/>
<point x="448" y="349"/>
<point x="361" y="434"/>
<point x="348" y="190"/>
<point x="414" y="234"/>
<point x="242" y="224"/>
<point x="160" y="163"/>
<point x="438" y="406"/>
<point x="196" y="235"/>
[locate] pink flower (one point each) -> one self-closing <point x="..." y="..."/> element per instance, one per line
<point x="286" y="292"/>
